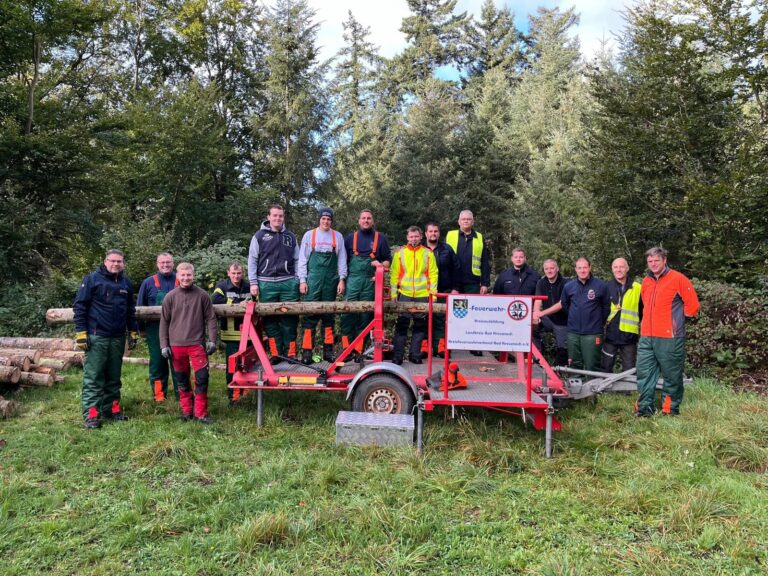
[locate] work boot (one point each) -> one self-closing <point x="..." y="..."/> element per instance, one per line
<point x="306" y="356"/>
<point x="92" y="421"/>
<point x="328" y="354"/>
<point x="116" y="414"/>
<point x="186" y="417"/>
<point x="415" y="359"/>
<point x="476" y="352"/>
<point x="205" y="420"/>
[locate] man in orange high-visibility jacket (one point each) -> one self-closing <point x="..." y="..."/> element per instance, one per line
<point x="413" y="278"/>
<point x="668" y="297"/>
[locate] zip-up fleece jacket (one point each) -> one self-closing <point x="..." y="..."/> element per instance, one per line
<point x="587" y="305"/>
<point x="104" y="304"/>
<point x="514" y="282"/>
<point x="666" y="302"/>
<point x="184" y="316"/>
<point x="273" y="255"/>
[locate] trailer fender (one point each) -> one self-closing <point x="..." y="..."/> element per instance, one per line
<point x="383" y="368"/>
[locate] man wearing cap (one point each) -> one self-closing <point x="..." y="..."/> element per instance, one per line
<point x="151" y="293"/>
<point x="366" y="249"/>
<point x="273" y="257"/>
<point x="322" y="277"/>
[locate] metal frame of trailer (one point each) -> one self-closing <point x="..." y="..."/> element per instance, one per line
<point x="525" y="388"/>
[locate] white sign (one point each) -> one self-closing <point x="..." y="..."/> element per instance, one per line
<point x="492" y="323"/>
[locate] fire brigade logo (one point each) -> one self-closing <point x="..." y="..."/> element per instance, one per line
<point x="460" y="308"/>
<point x="517" y="310"/>
<point x="591" y="294"/>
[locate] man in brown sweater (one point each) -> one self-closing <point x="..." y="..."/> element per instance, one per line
<point x="183" y="318"/>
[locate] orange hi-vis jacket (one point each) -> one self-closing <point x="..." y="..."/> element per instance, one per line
<point x="413" y="273"/>
<point x="666" y="302"/>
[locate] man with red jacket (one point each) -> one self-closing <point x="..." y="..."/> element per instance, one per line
<point x="668" y="297"/>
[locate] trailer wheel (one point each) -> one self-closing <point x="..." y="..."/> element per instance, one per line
<point x="383" y="394"/>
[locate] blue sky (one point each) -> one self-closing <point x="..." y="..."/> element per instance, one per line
<point x="599" y="20"/>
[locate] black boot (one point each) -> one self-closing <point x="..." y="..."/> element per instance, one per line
<point x="328" y="354"/>
<point x="306" y="356"/>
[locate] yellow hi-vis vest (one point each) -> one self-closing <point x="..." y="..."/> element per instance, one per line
<point x="629" y="321"/>
<point x="452" y="239"/>
<point x="414" y="273"/>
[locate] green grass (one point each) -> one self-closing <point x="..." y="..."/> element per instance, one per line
<point x="685" y="495"/>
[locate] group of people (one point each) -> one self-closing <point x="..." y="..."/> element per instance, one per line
<point x="593" y="322"/>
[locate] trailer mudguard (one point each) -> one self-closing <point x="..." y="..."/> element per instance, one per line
<point x="383" y="368"/>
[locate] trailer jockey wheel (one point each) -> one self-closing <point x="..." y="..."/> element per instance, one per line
<point x="383" y="394"/>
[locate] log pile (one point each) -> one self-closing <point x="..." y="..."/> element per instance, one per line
<point x="35" y="361"/>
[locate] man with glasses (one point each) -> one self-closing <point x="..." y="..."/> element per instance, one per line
<point x="104" y="316"/>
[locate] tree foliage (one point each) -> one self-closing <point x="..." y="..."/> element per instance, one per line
<point x="174" y="124"/>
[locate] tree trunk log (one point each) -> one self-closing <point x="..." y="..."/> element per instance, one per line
<point x="21" y="362"/>
<point x="10" y="374"/>
<point x="38" y="343"/>
<point x="152" y="313"/>
<point x="7" y="407"/>
<point x="33" y="379"/>
<point x="145" y="362"/>
<point x="42" y="370"/>
<point x="54" y="363"/>
<point x="33" y="355"/>
<point x="74" y="358"/>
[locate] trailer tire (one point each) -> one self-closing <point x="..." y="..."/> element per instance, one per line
<point x="383" y="394"/>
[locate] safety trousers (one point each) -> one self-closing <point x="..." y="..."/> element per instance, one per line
<point x="183" y="356"/>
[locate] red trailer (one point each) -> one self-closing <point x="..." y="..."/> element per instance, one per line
<point x="525" y="388"/>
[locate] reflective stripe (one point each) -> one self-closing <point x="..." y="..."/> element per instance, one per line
<point x="629" y="321"/>
<point x="417" y="284"/>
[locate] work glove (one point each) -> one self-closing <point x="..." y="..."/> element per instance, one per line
<point x="210" y="347"/>
<point x="81" y="339"/>
<point x="133" y="338"/>
<point x="166" y="353"/>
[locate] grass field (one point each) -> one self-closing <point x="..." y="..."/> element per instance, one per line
<point x="685" y="495"/>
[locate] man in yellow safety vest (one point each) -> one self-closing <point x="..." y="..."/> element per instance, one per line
<point x="622" y="329"/>
<point x="413" y="278"/>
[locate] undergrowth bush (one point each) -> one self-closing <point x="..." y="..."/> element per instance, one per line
<point x="211" y="262"/>
<point x="23" y="306"/>
<point x="730" y="331"/>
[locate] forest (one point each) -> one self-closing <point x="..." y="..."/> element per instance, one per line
<point x="152" y="125"/>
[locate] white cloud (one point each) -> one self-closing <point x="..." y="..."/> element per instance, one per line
<point x="600" y="19"/>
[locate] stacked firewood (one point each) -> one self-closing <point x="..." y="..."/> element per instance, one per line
<point x="35" y="361"/>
